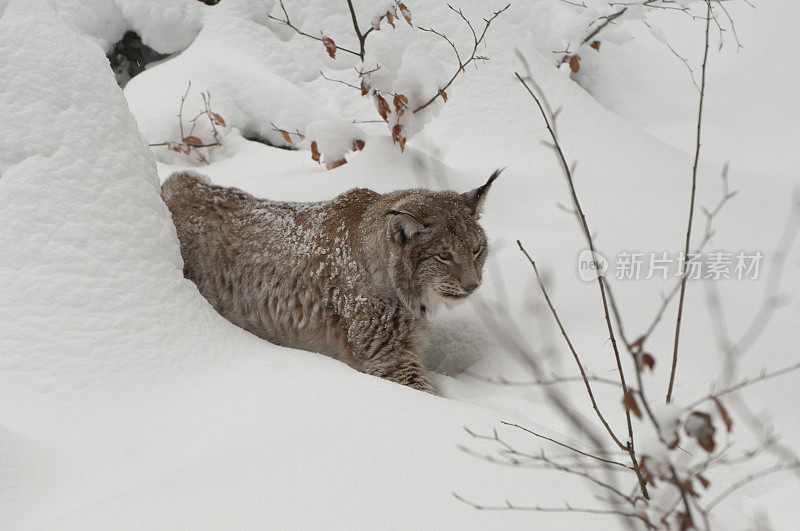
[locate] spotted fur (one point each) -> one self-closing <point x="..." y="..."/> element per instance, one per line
<point x="353" y="277"/>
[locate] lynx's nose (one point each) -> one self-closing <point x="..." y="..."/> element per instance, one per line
<point x="470" y="288"/>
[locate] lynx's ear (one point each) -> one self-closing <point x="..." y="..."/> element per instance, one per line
<point x="403" y="225"/>
<point x="475" y="198"/>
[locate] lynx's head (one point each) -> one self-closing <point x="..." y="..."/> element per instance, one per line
<point x="438" y="248"/>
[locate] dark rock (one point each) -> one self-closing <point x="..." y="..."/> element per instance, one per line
<point x="129" y="57"/>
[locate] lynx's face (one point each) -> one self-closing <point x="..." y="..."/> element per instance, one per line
<point x="448" y="262"/>
<point x="440" y="247"/>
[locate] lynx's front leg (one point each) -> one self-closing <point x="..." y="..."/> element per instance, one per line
<point x="401" y="367"/>
<point x="384" y="341"/>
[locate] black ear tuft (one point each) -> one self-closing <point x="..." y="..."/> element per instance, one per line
<point x="475" y="198"/>
<point x="403" y="225"/>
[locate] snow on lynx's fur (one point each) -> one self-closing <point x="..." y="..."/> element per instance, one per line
<point x="352" y="277"/>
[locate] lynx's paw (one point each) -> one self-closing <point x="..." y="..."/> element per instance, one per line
<point x="427" y="387"/>
<point x="422" y="383"/>
<point x="401" y="370"/>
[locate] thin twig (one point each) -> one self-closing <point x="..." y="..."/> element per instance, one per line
<point x="508" y="506"/>
<point x="608" y="20"/>
<point x="477" y="40"/>
<point x="739" y="45"/>
<point x="584" y="474"/>
<point x="680" y="57"/>
<point x="554" y="380"/>
<point x="564" y="445"/>
<point x="361" y="37"/>
<point x="691" y="205"/>
<point x="180" y="109"/>
<point x="339" y="81"/>
<point x="515" y="457"/>
<point x="744" y="383"/>
<point x="571" y="349"/>
<point x="590" y="241"/>
<point x="749" y="479"/>
<point x="708" y="232"/>
<point x="288" y="23"/>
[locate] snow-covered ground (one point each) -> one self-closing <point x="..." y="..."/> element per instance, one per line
<point x="126" y="401"/>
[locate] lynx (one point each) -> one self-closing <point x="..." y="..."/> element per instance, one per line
<point x="353" y="277"/>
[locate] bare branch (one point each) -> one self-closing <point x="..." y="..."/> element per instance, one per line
<point x="515" y="457"/>
<point x="180" y="109"/>
<point x="606" y="21"/>
<point x="285" y="133"/>
<point x="584" y="474"/>
<point x="345" y="83"/>
<point x="508" y="506"/>
<point x="571" y="349"/>
<point x="361" y="37"/>
<point x="691" y="205"/>
<point x="287" y="22"/>
<point x="587" y="233"/>
<point x="749" y="479"/>
<point x="564" y="445"/>
<point x="744" y="383"/>
<point x="554" y="380"/>
<point x="189" y="143"/>
<point x="639" y="343"/>
<point x="477" y="40"/>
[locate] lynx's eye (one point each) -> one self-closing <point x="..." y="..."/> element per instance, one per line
<point x="477" y="251"/>
<point x="444" y="257"/>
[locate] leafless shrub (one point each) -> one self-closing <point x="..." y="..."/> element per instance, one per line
<point x="189" y="143"/>
<point x="392" y="107"/>
<point x="613" y="12"/>
<point x="688" y="483"/>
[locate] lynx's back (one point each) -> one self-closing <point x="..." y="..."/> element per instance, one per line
<point x="270" y="267"/>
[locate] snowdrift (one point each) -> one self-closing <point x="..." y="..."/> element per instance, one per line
<point x="125" y="398"/>
<point x="122" y="390"/>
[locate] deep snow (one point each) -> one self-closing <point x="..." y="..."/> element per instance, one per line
<point x="124" y="398"/>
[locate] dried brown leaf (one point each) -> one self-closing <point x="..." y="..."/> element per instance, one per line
<point x="286" y="136"/>
<point x="314" y="151"/>
<point x="330" y="46"/>
<point x="443" y="94"/>
<point x="595" y="45"/>
<point x="645" y="359"/>
<point x="405" y="12"/>
<point x="218" y="119"/>
<point x="358" y="144"/>
<point x="575" y="63"/>
<point x="684" y="521"/>
<point x="700" y="427"/>
<point x="629" y="402"/>
<point x="688" y="488"/>
<point x="364" y="87"/>
<point x="383" y="107"/>
<point x="400" y="103"/>
<point x="192" y="141"/>
<point x="335" y="164"/>
<point x="396" y="133"/>
<point x="726" y="418"/>
<point x="397" y="136"/>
